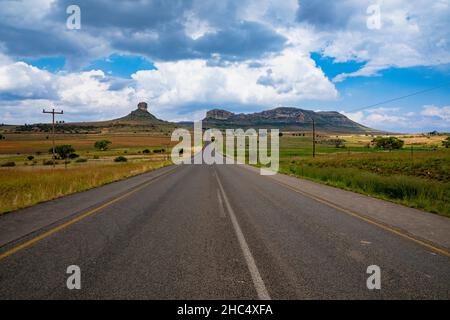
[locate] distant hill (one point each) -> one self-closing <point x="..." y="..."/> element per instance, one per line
<point x="283" y="118"/>
<point x="139" y="119"/>
<point x="286" y="119"/>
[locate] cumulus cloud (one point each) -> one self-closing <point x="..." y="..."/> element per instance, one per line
<point x="176" y="83"/>
<point x="394" y="119"/>
<point x="442" y="113"/>
<point x="20" y="80"/>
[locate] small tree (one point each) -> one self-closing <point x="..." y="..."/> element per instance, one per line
<point x="388" y="143"/>
<point x="63" y="151"/>
<point x="446" y="142"/>
<point x="102" y="145"/>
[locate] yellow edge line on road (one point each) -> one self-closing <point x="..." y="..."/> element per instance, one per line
<point x="78" y="218"/>
<point x="361" y="217"/>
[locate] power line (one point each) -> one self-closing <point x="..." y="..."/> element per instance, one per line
<point x="399" y="98"/>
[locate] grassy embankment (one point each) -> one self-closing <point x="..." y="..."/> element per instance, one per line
<point x="30" y="182"/>
<point x="420" y="179"/>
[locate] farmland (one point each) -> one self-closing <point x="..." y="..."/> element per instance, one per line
<point x="33" y="179"/>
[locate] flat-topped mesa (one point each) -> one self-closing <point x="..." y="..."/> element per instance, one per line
<point x="141" y="112"/>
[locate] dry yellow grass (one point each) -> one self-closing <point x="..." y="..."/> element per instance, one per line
<point x="22" y="187"/>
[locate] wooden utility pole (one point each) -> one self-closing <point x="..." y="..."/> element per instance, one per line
<point x="314" y="138"/>
<point x="53" y="112"/>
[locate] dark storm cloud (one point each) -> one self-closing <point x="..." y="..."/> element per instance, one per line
<point x="325" y="14"/>
<point x="32" y="43"/>
<point x="242" y="41"/>
<point x="155" y="28"/>
<point x="128" y="14"/>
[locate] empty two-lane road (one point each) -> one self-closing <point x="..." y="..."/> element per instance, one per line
<point x="211" y="232"/>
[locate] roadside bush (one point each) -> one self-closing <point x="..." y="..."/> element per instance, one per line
<point x="146" y="151"/>
<point x="96" y="157"/>
<point x="120" y="159"/>
<point x="81" y="160"/>
<point x="2" y="136"/>
<point x="9" y="164"/>
<point x="74" y="156"/>
<point x="30" y="158"/>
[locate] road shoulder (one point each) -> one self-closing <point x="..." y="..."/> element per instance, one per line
<point x="422" y="225"/>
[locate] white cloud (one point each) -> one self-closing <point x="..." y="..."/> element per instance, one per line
<point x="23" y="80"/>
<point x="294" y="77"/>
<point x="393" y="119"/>
<point x="413" y="33"/>
<point x="355" y="116"/>
<point x="442" y="113"/>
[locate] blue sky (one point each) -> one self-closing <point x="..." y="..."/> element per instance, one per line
<point x="185" y="57"/>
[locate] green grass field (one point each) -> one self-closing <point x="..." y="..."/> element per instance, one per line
<point x="419" y="178"/>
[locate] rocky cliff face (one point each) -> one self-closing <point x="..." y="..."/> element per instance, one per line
<point x="140" y="114"/>
<point x="286" y="118"/>
<point x="218" y="114"/>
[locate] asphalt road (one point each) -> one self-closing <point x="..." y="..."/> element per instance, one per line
<point x="213" y="232"/>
